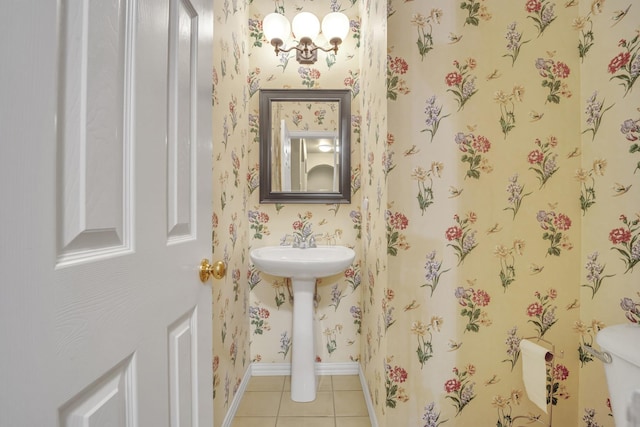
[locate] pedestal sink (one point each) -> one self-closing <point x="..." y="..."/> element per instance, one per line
<point x="303" y="266"/>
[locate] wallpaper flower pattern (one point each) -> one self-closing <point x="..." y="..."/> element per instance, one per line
<point x="495" y="198"/>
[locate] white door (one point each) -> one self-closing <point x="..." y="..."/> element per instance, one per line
<point x="105" y="186"/>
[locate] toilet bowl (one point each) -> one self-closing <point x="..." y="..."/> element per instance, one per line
<point x="622" y="342"/>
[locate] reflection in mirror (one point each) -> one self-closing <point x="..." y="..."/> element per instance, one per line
<point x="304" y="146"/>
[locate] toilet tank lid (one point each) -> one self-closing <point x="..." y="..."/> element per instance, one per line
<point x="622" y="341"/>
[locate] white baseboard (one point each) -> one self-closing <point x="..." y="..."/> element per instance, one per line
<point x="274" y="369"/>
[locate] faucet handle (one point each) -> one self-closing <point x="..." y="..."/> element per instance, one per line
<point x="312" y="241"/>
<point x="296" y="241"/>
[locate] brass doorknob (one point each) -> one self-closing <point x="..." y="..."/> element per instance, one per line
<point x="217" y="270"/>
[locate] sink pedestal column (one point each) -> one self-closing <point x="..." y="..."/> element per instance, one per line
<point x="303" y="373"/>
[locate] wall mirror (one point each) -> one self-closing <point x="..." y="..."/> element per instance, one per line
<point x="305" y="150"/>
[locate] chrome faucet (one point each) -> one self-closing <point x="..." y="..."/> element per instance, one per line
<point x="308" y="241"/>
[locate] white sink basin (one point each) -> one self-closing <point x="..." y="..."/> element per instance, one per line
<point x="308" y="263"/>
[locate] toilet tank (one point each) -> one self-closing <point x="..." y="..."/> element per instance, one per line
<point x="622" y="342"/>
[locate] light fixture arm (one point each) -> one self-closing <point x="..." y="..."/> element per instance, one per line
<point x="306" y="50"/>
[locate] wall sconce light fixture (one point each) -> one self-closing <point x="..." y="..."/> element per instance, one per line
<point x="306" y="27"/>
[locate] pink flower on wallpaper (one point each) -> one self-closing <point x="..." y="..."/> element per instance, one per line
<point x="398" y="65"/>
<point x="628" y="240"/>
<point x="453" y="233"/>
<point x="562" y="222"/>
<point x="398" y="374"/>
<point x="534" y="309"/>
<point x="481" y="144"/>
<point x="481" y="298"/>
<point x="453" y="79"/>
<point x="618" y="62"/>
<point x="533" y="6"/>
<point x="560" y="372"/>
<point x="561" y="70"/>
<point x="452" y="385"/>
<point x="619" y="235"/>
<point x="535" y="157"/>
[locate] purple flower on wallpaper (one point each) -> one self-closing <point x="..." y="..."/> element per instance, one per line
<point x="355" y="29"/>
<point x="631" y="130"/>
<point x="627" y="241"/>
<point x="356" y="218"/>
<point x="256" y="32"/>
<point x="309" y="76"/>
<point x="258" y="221"/>
<point x="595" y="273"/>
<point x="461" y="82"/>
<point x="473" y="147"/>
<point x="460" y="389"/>
<point x="253" y="81"/>
<point x="354" y="275"/>
<point x="353" y="83"/>
<point x="594" y="112"/>
<point x="336" y="296"/>
<point x="543" y="160"/>
<point x="431" y="417"/>
<point x="553" y="74"/>
<point x="589" y="418"/>
<point x="631" y="309"/>
<point x="463" y="238"/>
<point x="253" y="277"/>
<point x="387" y="309"/>
<point x="554" y="224"/>
<point x="542" y="312"/>
<point x="513" y="347"/>
<point x="285" y="344"/>
<point x="432" y="271"/>
<point x="283" y="60"/>
<point x="253" y="178"/>
<point x="432" y="119"/>
<point x="356" y="180"/>
<point x="516" y="196"/>
<point x="514" y="42"/>
<point x="541" y="12"/>
<point x="254" y="127"/>
<point x="356" y="313"/>
<point x="625" y="66"/>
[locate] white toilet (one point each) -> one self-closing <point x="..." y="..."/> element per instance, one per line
<point x="622" y="342"/>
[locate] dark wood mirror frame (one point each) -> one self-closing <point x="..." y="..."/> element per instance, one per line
<point x="343" y="98"/>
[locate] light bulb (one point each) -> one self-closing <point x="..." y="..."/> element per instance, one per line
<point x="276" y="26"/>
<point x="335" y="26"/>
<point x="305" y="25"/>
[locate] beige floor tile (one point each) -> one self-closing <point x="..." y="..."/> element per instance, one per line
<point x="253" y="422"/>
<point x="324" y="383"/>
<point x="259" y="403"/>
<point x="268" y="383"/>
<point x="350" y="403"/>
<point x="305" y="422"/>
<point x="346" y="382"/>
<point x="322" y="406"/>
<point x="353" y="422"/>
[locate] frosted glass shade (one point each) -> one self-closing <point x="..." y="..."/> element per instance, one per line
<point x="276" y="26"/>
<point x="305" y="24"/>
<point x="335" y="25"/>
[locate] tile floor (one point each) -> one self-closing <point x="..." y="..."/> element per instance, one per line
<point x="267" y="403"/>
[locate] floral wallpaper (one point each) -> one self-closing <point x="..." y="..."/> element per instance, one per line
<point x="494" y="175"/>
